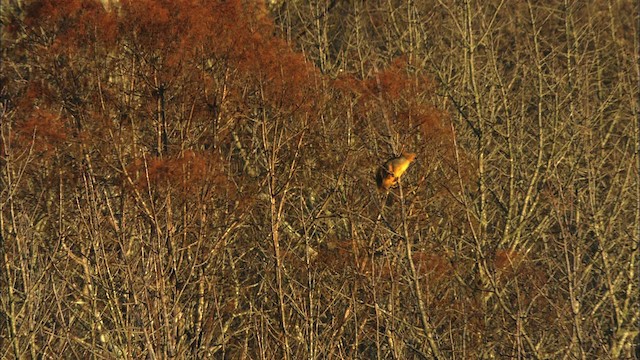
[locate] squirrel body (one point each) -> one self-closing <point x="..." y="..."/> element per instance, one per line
<point x="390" y="172"/>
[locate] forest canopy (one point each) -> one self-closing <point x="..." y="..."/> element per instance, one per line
<point x="196" y="179"/>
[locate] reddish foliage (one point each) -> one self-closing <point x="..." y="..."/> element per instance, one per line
<point x="185" y="173"/>
<point x="392" y="82"/>
<point x="432" y="267"/>
<point x="506" y="260"/>
<point x="396" y="83"/>
<point x="36" y="94"/>
<point x="75" y="23"/>
<point x="347" y="83"/>
<point x="149" y="22"/>
<point x="43" y="131"/>
<point x="286" y="78"/>
<point x="511" y="266"/>
<point x="394" y="95"/>
<point x="431" y="124"/>
<point x="336" y="254"/>
<point x="177" y="29"/>
<point x="172" y="34"/>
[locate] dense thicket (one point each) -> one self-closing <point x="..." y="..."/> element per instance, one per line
<point x="194" y="179"/>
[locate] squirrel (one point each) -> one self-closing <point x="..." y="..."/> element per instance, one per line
<point x="389" y="173"/>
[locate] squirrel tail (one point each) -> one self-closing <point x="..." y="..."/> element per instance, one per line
<point x="384" y="179"/>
